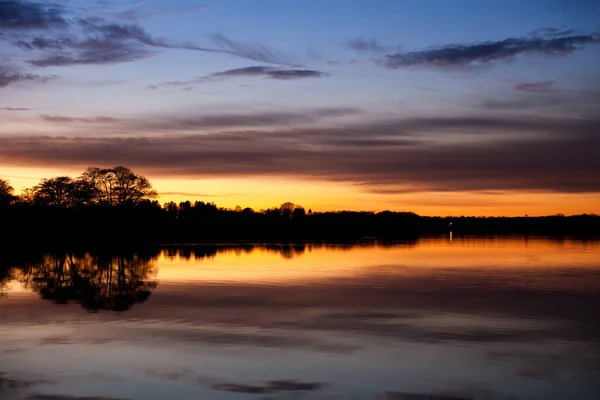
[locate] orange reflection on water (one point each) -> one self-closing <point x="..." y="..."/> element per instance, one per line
<point x="313" y="262"/>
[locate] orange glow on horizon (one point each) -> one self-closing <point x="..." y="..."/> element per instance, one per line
<point x="320" y="195"/>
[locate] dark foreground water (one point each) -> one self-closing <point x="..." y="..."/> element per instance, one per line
<point x="469" y="318"/>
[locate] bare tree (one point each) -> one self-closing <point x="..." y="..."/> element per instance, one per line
<point x="117" y="186"/>
<point x="6" y="192"/>
<point x="57" y="192"/>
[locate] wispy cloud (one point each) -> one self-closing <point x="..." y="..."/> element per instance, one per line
<point x="15" y="109"/>
<point x="536" y="87"/>
<point x="139" y="11"/>
<point x="10" y="75"/>
<point x="365" y="45"/>
<point x="422" y="396"/>
<point x="268" y="387"/>
<point x="198" y="122"/>
<point x="253" y="71"/>
<point x="67" y="397"/>
<point x="70" y="120"/>
<point x="511" y="152"/>
<point x="547" y="95"/>
<point x="558" y="43"/>
<point x="58" y="37"/>
<point x="24" y="15"/>
<point x="270" y="72"/>
<point x="254" y="52"/>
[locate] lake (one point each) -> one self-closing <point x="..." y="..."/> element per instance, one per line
<point x="434" y="318"/>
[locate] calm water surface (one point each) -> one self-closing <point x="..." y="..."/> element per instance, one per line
<point x="468" y="318"/>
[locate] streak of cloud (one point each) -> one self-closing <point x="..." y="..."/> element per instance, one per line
<point x="253" y="71"/>
<point x="558" y="155"/>
<point x="254" y="52"/>
<point x="26" y="15"/>
<point x="268" y="387"/>
<point x="560" y="43"/>
<point x="195" y="122"/>
<point x="536" y="87"/>
<point x="10" y="75"/>
<point x="69" y="120"/>
<point x="365" y="45"/>
<point x="64" y="40"/>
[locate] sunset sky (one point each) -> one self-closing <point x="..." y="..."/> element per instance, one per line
<point x="437" y="107"/>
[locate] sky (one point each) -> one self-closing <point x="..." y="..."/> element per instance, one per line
<point x="440" y="108"/>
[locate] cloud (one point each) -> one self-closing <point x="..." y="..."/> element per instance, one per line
<point x="9" y="76"/>
<point x="112" y="55"/>
<point x="70" y="120"/>
<point x="365" y="45"/>
<point x="421" y="396"/>
<point x="144" y="10"/>
<point x="270" y="72"/>
<point x="195" y="122"/>
<point x="15" y="109"/>
<point x="67" y="397"/>
<point x="477" y="54"/>
<point x="413" y="154"/>
<point x="254" y="52"/>
<point x="103" y="43"/>
<point x="7" y="382"/>
<point x="547" y="95"/>
<point x="58" y="39"/>
<point x="253" y="71"/>
<point x="25" y="15"/>
<point x="536" y="87"/>
<point x="269" y="387"/>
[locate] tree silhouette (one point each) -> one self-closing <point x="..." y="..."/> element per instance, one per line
<point x="58" y="192"/>
<point x="97" y="282"/>
<point x="117" y="186"/>
<point x="6" y="193"/>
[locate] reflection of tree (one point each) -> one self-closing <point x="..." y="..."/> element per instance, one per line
<point x="7" y="263"/>
<point x="98" y="282"/>
<point x="5" y="273"/>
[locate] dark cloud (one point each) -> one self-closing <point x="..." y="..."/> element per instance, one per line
<point x="7" y="382"/>
<point x="43" y="43"/>
<point x="476" y="54"/>
<point x="9" y="76"/>
<point x="103" y="43"/>
<point x="114" y="55"/>
<point x="420" y="396"/>
<point x="536" y="87"/>
<point x="195" y="122"/>
<point x="15" y="109"/>
<point x="556" y="99"/>
<point x="269" y="72"/>
<point x="19" y="15"/>
<point x="437" y="153"/>
<point x="67" y="397"/>
<point x="69" y="120"/>
<point x="93" y="39"/>
<point x="253" y="71"/>
<point x="269" y="387"/>
<point x="365" y="45"/>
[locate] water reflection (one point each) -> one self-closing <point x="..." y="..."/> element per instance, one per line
<point x="470" y="318"/>
<point x="96" y="281"/>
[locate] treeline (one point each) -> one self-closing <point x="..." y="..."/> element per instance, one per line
<point x="118" y="206"/>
